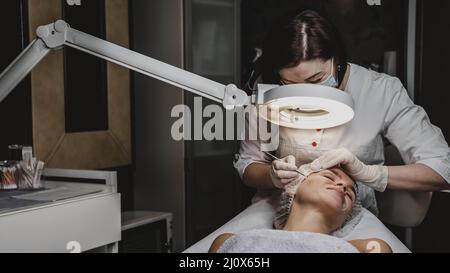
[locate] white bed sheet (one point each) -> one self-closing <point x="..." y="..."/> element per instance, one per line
<point x="260" y="215"/>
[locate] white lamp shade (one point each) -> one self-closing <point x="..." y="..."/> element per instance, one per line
<point x="307" y="106"/>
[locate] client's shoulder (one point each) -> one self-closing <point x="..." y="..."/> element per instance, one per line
<point x="218" y="242"/>
<point x="373" y="245"/>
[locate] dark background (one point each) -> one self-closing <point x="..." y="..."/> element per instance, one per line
<point x="86" y="107"/>
<point x="15" y="110"/>
<point x="367" y="31"/>
<point x="433" y="93"/>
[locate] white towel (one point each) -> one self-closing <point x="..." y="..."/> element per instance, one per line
<point x="279" y="241"/>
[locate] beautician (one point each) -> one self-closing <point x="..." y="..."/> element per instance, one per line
<point x="306" y="48"/>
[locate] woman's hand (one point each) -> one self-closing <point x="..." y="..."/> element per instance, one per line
<point x="373" y="176"/>
<point x="284" y="172"/>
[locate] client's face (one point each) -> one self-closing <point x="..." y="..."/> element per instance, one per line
<point x="332" y="191"/>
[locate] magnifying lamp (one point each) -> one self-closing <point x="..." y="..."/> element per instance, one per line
<point x="306" y="106"/>
<point x="300" y="106"/>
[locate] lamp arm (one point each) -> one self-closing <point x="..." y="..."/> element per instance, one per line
<point x="59" y="34"/>
<point x="21" y="67"/>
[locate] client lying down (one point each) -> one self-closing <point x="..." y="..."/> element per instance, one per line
<point x="308" y="212"/>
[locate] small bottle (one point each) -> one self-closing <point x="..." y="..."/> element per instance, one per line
<point x="15" y="152"/>
<point x="8" y="176"/>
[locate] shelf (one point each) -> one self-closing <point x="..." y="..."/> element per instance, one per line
<point x="133" y="219"/>
<point x="215" y="3"/>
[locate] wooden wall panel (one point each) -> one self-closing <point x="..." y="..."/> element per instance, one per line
<point x="85" y="150"/>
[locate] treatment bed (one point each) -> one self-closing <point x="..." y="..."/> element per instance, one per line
<point x="397" y="208"/>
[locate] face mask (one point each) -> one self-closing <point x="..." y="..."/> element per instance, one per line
<point x="331" y="80"/>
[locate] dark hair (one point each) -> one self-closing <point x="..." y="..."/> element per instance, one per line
<point x="301" y="37"/>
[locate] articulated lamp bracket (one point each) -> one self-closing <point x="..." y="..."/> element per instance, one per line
<point x="297" y="103"/>
<point x="57" y="35"/>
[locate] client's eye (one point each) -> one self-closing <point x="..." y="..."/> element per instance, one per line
<point x="350" y="194"/>
<point x="329" y="176"/>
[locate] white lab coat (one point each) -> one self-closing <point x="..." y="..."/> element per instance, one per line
<point x="383" y="111"/>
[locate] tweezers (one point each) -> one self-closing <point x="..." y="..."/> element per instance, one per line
<point x="304" y="170"/>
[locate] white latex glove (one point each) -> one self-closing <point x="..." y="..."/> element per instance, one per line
<point x="284" y="172"/>
<point x="373" y="176"/>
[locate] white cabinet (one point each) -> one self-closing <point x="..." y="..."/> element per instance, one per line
<point x="64" y="218"/>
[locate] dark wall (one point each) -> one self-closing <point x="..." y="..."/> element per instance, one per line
<point x="433" y="56"/>
<point x="85" y="92"/>
<point x="214" y="192"/>
<point x="15" y="110"/>
<point x="367" y="31"/>
<point x="433" y="94"/>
